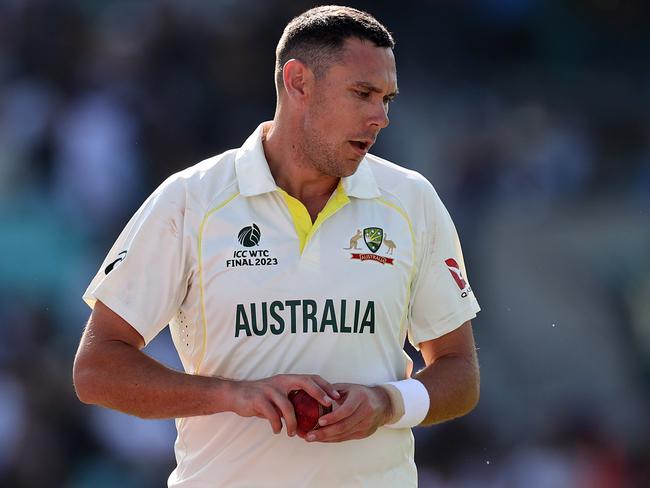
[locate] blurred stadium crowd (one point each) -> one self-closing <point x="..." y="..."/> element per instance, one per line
<point x="531" y="118"/>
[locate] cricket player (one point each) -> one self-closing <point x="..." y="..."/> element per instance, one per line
<point x="297" y="261"/>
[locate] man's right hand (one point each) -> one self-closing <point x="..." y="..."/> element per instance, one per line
<point x="268" y="398"/>
<point x="111" y="370"/>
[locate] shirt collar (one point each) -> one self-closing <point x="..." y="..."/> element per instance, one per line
<point x="362" y="183"/>
<point x="254" y="176"/>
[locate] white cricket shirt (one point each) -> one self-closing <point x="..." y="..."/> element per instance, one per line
<point x="250" y="288"/>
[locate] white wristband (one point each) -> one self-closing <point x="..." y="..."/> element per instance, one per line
<point x="416" y="403"/>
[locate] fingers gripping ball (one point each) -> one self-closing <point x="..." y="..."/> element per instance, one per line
<point x="307" y="409"/>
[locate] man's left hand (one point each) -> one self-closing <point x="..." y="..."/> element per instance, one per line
<point x="362" y="409"/>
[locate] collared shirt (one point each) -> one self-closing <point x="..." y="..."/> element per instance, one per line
<point x="251" y="288"/>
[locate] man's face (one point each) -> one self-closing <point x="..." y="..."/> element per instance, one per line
<point x="349" y="107"/>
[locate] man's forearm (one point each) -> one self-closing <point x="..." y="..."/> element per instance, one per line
<point x="453" y="386"/>
<point x="125" y="379"/>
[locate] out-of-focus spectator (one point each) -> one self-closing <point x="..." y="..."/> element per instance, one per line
<point x="97" y="167"/>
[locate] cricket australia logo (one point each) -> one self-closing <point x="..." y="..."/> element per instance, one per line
<point x="373" y="237"/>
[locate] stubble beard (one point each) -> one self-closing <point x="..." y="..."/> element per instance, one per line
<point x="321" y="156"/>
<point x="320" y="153"/>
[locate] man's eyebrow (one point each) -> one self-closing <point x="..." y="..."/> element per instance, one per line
<point x="373" y="88"/>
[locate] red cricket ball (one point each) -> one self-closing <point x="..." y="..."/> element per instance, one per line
<point x="307" y="409"/>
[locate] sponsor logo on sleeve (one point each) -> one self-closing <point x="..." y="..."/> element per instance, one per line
<point x="115" y="263"/>
<point x="457" y="274"/>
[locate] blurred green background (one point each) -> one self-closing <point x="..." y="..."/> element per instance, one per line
<point x="530" y="117"/>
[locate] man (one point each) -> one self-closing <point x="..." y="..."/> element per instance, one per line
<point x="249" y="257"/>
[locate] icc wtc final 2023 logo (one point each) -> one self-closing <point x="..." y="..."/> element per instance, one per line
<point x="249" y="237"/>
<point x="373" y="237"/>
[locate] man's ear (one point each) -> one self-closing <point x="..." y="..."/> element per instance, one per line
<point x="297" y="79"/>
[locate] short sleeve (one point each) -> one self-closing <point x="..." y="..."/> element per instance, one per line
<point x="144" y="277"/>
<point x="442" y="298"/>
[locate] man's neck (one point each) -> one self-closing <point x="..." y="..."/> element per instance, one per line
<point x="290" y="168"/>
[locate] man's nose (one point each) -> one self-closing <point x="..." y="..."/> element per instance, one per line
<point x="380" y="116"/>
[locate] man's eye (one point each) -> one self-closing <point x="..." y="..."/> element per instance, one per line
<point x="362" y="94"/>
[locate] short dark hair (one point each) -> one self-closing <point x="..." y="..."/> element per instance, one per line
<point x="316" y="37"/>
